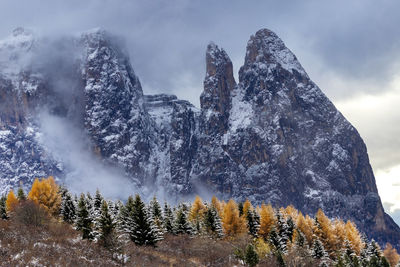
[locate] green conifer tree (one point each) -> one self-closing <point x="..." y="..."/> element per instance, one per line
<point x="21" y="194"/>
<point x="240" y="207"/>
<point x="156" y="217"/>
<point x="98" y="200"/>
<point x="252" y="223"/>
<point x="168" y="219"/>
<point x="142" y="232"/>
<point x="84" y="222"/>
<point x="318" y="250"/>
<point x="212" y="223"/>
<point x="68" y="209"/>
<point x="182" y="224"/>
<point x="251" y="256"/>
<point x="3" y="208"/>
<point x="107" y="226"/>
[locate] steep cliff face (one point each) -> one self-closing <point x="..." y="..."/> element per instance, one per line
<point x="272" y="137"/>
<point x="22" y="158"/>
<point x="114" y="107"/>
<point x="175" y="123"/>
<point x="289" y="144"/>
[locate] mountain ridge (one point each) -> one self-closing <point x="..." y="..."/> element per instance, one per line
<point x="273" y="135"/>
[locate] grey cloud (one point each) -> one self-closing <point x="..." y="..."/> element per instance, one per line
<point x="356" y="42"/>
<point x="167" y="39"/>
<point x="395" y="214"/>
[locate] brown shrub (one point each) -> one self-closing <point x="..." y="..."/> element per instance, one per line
<point x="31" y="214"/>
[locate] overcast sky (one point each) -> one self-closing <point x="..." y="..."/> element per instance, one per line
<point x="351" y="49"/>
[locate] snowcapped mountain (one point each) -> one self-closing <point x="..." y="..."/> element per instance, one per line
<point x="273" y="136"/>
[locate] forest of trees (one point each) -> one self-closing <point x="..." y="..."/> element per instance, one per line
<point x="274" y="232"/>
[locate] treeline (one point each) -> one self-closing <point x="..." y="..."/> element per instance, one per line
<point x="284" y="234"/>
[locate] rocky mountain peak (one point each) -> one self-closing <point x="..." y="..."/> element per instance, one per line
<point x="273" y="137"/>
<point x="265" y="50"/>
<point x="219" y="82"/>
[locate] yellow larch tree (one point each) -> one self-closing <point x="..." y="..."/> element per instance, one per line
<point x="197" y="211"/>
<point x="246" y="208"/>
<point x="267" y="220"/>
<point x="232" y="223"/>
<point x="304" y="224"/>
<point x="290" y="211"/>
<point x="354" y="237"/>
<point x="215" y="203"/>
<point x="46" y="193"/>
<point x="324" y="231"/>
<point x="222" y="205"/>
<point x="391" y="254"/>
<point x="340" y="233"/>
<point x="12" y="201"/>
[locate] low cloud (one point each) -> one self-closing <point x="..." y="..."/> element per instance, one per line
<point x="84" y="171"/>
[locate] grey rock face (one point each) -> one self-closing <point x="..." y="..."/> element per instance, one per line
<point x="114" y="110"/>
<point x="272" y="137"/>
<point x="287" y="144"/>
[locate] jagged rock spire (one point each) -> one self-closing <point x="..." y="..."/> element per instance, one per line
<point x="218" y="84"/>
<point x="265" y="47"/>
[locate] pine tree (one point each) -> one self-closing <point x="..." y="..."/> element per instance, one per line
<point x="290" y="228"/>
<point x="182" y="224"/>
<point x="68" y="209"/>
<point x="84" y="222"/>
<point x="94" y="214"/>
<point x="283" y="233"/>
<point x="318" y="250"/>
<point x="240" y="208"/>
<point x="126" y="224"/>
<point x="98" y="200"/>
<point x="155" y="209"/>
<point x="156" y="217"/>
<point x="375" y="256"/>
<point x="107" y="226"/>
<point x="168" y="219"/>
<point x="251" y="256"/>
<point x="253" y="222"/>
<point x="300" y="238"/>
<point x="21" y="194"/>
<point x="3" y="208"/>
<point x="143" y="232"/>
<point x="348" y="249"/>
<point x="115" y="208"/>
<point x="279" y="258"/>
<point x="273" y="239"/>
<point x="348" y="254"/>
<point x="373" y="250"/>
<point x="89" y="204"/>
<point x="212" y="223"/>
